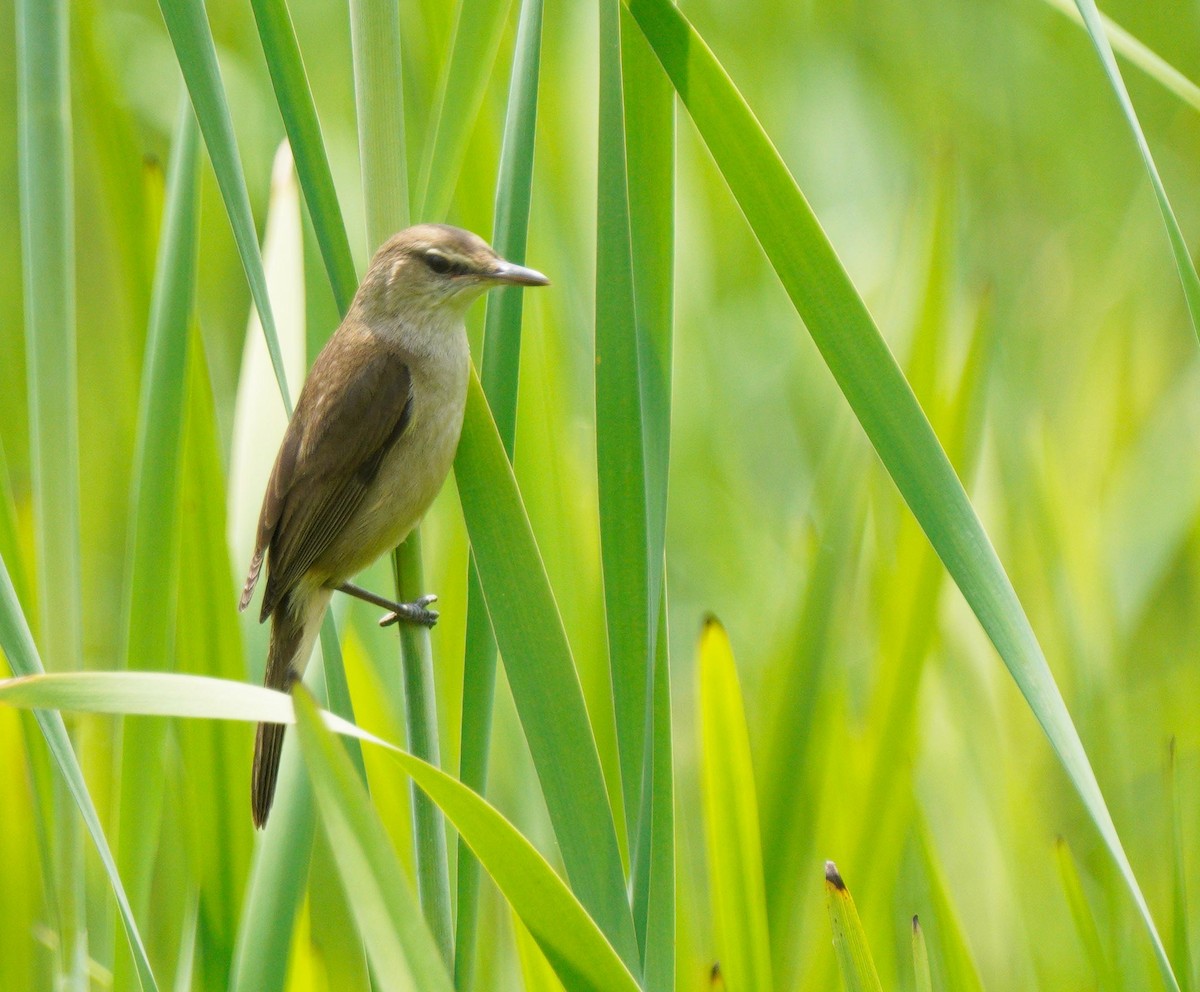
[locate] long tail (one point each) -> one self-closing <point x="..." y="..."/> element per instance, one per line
<point x="294" y="627"/>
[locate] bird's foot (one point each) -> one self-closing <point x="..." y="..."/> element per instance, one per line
<point x="414" y="613"/>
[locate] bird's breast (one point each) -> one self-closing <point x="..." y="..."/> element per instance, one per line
<point x="412" y="473"/>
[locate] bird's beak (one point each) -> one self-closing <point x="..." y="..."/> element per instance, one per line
<point x="517" y="275"/>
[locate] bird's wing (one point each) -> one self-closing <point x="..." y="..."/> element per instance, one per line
<point x="330" y="454"/>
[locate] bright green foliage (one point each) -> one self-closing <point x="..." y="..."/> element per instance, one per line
<point x="986" y="442"/>
<point x="849" y="938"/>
<point x="731" y="830"/>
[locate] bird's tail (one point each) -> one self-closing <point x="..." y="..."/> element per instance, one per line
<point x="294" y="627"/>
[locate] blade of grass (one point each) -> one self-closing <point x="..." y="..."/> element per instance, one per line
<point x="188" y="27"/>
<point x="731" y="831"/>
<point x="216" y="840"/>
<point x="47" y="190"/>
<point x="1183" y="260"/>
<point x="299" y="113"/>
<point x="1138" y="54"/>
<point x="1085" y="921"/>
<point x="1182" y="951"/>
<point x="921" y="973"/>
<point x="379" y="101"/>
<point x="478" y="28"/>
<point x="869" y="378"/>
<point x="17" y="644"/>
<point x="572" y="941"/>
<point x="403" y="951"/>
<point x="152" y="557"/>
<point x="9" y="537"/>
<point x="649" y="112"/>
<point x="849" y="938"/>
<point x="500" y="373"/>
<point x="542" y="674"/>
<point x="620" y="456"/>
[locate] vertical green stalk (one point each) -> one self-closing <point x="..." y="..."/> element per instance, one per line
<point x="48" y="262"/>
<point x="299" y="114"/>
<point x="649" y="109"/>
<point x="153" y="550"/>
<point x="499" y="374"/>
<point x="620" y="444"/>
<point x="379" y="98"/>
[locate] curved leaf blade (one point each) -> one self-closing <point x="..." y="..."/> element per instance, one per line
<point x="869" y="378"/>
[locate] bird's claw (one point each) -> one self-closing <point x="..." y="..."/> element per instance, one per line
<point x="415" y="613"/>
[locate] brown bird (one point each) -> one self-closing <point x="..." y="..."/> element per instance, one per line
<point x="368" y="447"/>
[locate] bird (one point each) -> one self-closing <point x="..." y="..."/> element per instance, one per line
<point x="367" y="449"/>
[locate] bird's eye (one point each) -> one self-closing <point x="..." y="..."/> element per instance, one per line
<point x="439" y="263"/>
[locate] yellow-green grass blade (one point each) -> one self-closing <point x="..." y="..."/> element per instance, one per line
<point x="569" y="937"/>
<point x="16" y="642"/>
<point x="620" y="457"/>
<point x="299" y="113"/>
<point x="849" y="939"/>
<point x="921" y="975"/>
<point x="869" y="378"/>
<point x="10" y="546"/>
<point x="152" y="556"/>
<point x="187" y="24"/>
<point x="217" y="837"/>
<point x="478" y="28"/>
<point x="649" y="130"/>
<point x="1181" y="943"/>
<point x="336" y="941"/>
<point x="953" y="961"/>
<point x="542" y="674"/>
<point x="737" y="894"/>
<point x="499" y="374"/>
<point x="379" y="102"/>
<point x="1085" y="921"/>
<point x="44" y="151"/>
<point x="1138" y="54"/>
<point x="403" y="951"/>
<point x="1183" y="259"/>
<point x="654" y="874"/>
<point x="47" y="218"/>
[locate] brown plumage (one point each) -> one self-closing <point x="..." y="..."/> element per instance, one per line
<point x="369" y="445"/>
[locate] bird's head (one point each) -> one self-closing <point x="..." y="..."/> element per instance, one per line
<point x="435" y="267"/>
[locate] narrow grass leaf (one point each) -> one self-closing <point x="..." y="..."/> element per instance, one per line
<point x="731" y="830"/>
<point x="869" y="378"/>
<point x="849" y="938"/>
<point x="649" y="109"/>
<point x="217" y="840"/>
<point x="153" y="545"/>
<point x="620" y="456"/>
<point x="500" y="373"/>
<point x="1138" y="54"/>
<point x="478" y="28"/>
<point x="571" y="940"/>
<point x="187" y="24"/>
<point x="402" y="950"/>
<point x="923" y="978"/>
<point x="1179" y="248"/>
<point x="1181" y="943"/>
<point x="17" y="644"/>
<point x="379" y="102"/>
<point x="299" y="113"/>
<point x="542" y="674"/>
<point x="46" y="182"/>
<point x="1081" y="913"/>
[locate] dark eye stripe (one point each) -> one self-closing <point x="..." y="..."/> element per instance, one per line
<point x="442" y="265"/>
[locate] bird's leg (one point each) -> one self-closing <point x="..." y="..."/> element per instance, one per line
<point x="414" y="612"/>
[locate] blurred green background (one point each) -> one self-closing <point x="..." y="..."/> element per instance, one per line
<point x="970" y="164"/>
